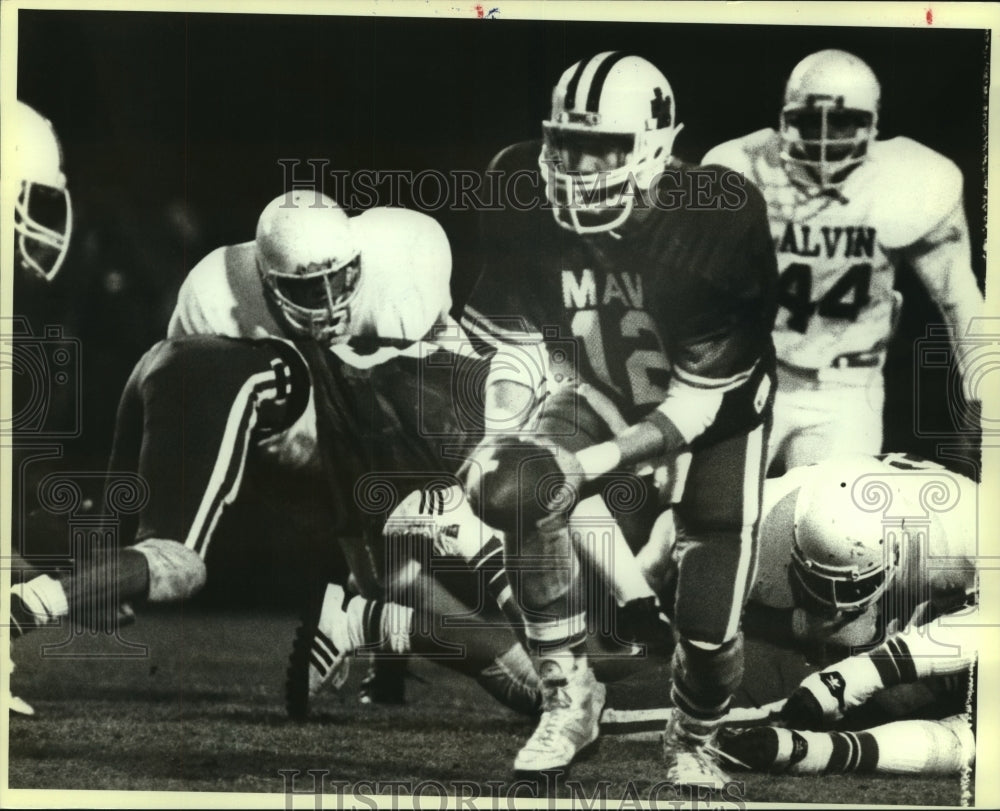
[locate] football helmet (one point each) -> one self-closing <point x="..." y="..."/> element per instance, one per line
<point x="843" y="557"/>
<point x="829" y="118"/>
<point x="309" y="262"/>
<point x="610" y="135"/>
<point x="43" y="214"/>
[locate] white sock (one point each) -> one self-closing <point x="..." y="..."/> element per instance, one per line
<point x="900" y="747"/>
<point x="924" y="747"/>
<point x="44" y="597"/>
<point x="374" y="624"/>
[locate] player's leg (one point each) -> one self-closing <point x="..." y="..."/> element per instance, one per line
<point x="185" y="421"/>
<point x="509" y="482"/>
<point x="715" y="554"/>
<point x="350" y="625"/>
<point x="915" y="746"/>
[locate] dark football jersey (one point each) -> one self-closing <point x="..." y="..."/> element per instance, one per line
<point x="389" y="429"/>
<point x="689" y="286"/>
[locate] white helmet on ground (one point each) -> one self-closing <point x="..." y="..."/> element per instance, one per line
<point x="43" y="214"/>
<point x="610" y="135"/>
<point x="829" y="118"/>
<point x="309" y="262"/>
<point x="844" y="556"/>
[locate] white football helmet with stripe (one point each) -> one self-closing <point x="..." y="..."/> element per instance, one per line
<point x="309" y="263"/>
<point x="43" y="214"/>
<point x="845" y="554"/>
<point x="611" y="133"/>
<point x="829" y="118"/>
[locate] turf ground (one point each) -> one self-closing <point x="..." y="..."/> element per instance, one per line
<point x="202" y="710"/>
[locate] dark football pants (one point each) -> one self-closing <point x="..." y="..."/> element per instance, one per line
<point x="186" y="421"/>
<point x="717" y="515"/>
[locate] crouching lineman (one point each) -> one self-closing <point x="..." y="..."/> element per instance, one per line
<point x="326" y="368"/>
<point x="858" y="557"/>
<point x="584" y="298"/>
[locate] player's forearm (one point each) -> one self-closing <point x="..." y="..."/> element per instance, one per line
<point x="942" y="261"/>
<point x="685" y="413"/>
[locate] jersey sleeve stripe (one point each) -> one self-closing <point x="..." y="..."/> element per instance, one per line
<point x="513" y="330"/>
<point x="722" y="384"/>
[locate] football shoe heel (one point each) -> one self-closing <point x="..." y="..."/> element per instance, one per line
<point x="320" y="651"/>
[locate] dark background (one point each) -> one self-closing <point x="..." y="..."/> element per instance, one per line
<point x="173" y="125"/>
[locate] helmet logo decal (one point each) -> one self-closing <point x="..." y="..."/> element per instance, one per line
<point x="659" y="108"/>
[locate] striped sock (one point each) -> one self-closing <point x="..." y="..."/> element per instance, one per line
<point x="377" y="625"/>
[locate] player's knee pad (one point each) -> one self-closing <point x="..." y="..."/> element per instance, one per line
<point x="176" y="572"/>
<point x="510" y="481"/>
<point x="705" y="677"/>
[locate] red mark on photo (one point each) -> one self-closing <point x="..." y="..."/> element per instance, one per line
<point x="930" y="17"/>
<point x="480" y="12"/>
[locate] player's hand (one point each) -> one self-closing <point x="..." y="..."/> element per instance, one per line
<point x="814" y="704"/>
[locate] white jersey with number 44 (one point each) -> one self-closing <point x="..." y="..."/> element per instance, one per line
<point x="837" y="252"/>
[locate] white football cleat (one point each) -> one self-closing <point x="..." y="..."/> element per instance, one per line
<point x="570" y="722"/>
<point x="15" y="704"/>
<point x="320" y="652"/>
<point x="690" y="754"/>
<point x="19" y="705"/>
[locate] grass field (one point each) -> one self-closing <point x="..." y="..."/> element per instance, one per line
<point x="202" y="710"/>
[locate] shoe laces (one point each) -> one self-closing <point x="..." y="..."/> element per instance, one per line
<point x="704" y="750"/>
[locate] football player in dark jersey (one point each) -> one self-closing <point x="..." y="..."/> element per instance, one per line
<point x="630" y="314"/>
<point x="332" y="378"/>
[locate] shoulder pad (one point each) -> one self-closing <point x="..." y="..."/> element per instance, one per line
<point x="915" y="188"/>
<point x="739" y="153"/>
